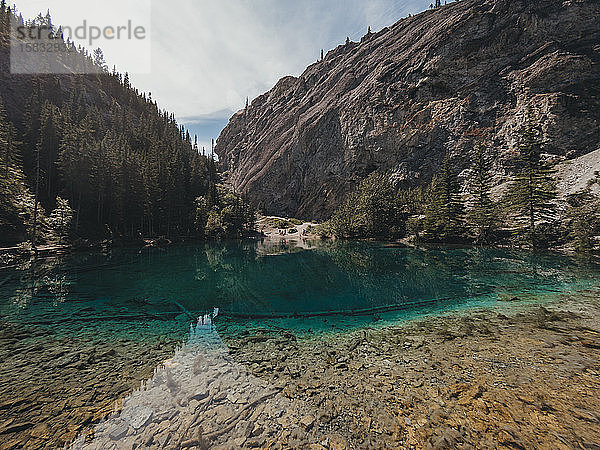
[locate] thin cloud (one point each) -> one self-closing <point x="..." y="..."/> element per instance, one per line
<point x="208" y="56"/>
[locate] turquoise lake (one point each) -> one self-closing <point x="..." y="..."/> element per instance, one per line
<point x="153" y="328"/>
<point x="131" y="293"/>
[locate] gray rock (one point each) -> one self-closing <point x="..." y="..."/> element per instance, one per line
<point x="67" y="360"/>
<point x="137" y="416"/>
<point x="239" y="442"/>
<point x="162" y="440"/>
<point x="245" y="429"/>
<point x="307" y="422"/>
<point x="118" y="431"/>
<point x="200" y="395"/>
<point x="257" y="430"/>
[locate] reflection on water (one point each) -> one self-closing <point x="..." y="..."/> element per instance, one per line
<point x="198" y="397"/>
<point x="73" y="328"/>
<point x="257" y="280"/>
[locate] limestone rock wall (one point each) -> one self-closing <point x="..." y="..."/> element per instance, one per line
<point x="403" y="97"/>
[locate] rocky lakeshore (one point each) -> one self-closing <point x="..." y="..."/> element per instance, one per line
<point x="516" y="377"/>
<point x="53" y="388"/>
<point x="486" y="379"/>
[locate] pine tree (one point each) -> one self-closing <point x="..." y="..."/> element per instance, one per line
<point x="99" y="59"/>
<point x="413" y="204"/>
<point x="8" y="145"/>
<point x="31" y="121"/>
<point x="533" y="190"/>
<point x="36" y="203"/>
<point x="48" y="149"/>
<point x="13" y="192"/>
<point x="444" y="214"/>
<point x="61" y="218"/>
<point x="583" y="220"/>
<point x="481" y="217"/>
<point x="122" y="164"/>
<point x="4" y="22"/>
<point x="201" y="217"/>
<point x="369" y="212"/>
<point x="48" y="19"/>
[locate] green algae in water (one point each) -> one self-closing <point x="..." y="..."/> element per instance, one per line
<point x="132" y="294"/>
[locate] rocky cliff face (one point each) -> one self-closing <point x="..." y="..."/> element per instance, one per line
<point x="402" y="98"/>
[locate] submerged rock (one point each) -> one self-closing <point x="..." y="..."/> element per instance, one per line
<point x="499" y="384"/>
<point x="137" y="416"/>
<point x="118" y="431"/>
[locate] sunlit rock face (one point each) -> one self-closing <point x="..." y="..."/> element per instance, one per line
<point x="402" y="98"/>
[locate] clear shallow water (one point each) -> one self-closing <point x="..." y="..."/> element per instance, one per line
<point x="135" y="293"/>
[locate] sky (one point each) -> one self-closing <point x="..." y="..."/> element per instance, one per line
<point x="203" y="58"/>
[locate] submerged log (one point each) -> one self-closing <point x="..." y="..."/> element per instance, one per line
<point x="352" y="313"/>
<point x="115" y="317"/>
<point x="185" y="311"/>
<point x="240" y="414"/>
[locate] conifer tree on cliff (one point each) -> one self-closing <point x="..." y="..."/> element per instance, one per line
<point x="533" y="190"/>
<point x="4" y="18"/>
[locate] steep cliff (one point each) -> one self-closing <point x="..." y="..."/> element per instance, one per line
<point x="403" y="97"/>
